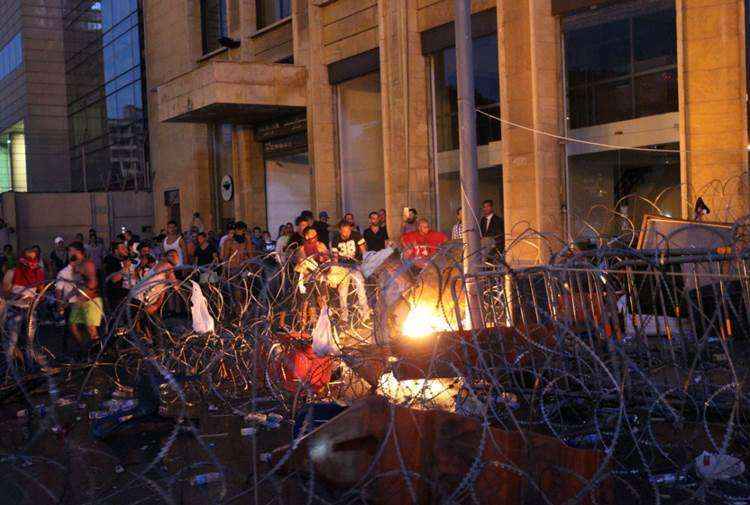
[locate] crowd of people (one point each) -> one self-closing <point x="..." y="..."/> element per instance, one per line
<point x="91" y="280"/>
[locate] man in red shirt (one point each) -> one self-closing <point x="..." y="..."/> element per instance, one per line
<point x="421" y="245"/>
<point x="28" y="281"/>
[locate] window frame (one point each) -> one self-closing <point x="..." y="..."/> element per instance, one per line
<point x="260" y="21"/>
<point x="589" y="86"/>
<point x="440" y="116"/>
<point x="223" y="26"/>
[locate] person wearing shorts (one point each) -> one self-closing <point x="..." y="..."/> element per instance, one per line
<point x="89" y="314"/>
<point x="87" y="307"/>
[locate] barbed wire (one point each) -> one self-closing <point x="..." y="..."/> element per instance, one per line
<point x="611" y="375"/>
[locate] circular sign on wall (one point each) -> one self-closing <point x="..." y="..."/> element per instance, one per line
<point x="227" y="188"/>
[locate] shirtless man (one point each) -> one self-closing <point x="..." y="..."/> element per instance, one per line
<point x="87" y="308"/>
<point x="238" y="249"/>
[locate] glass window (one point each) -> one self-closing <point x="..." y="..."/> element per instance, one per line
<point x="621" y="69"/>
<point x="633" y="183"/>
<point x="487" y="93"/>
<point x="5" y="180"/>
<point x="654" y="41"/>
<point x="271" y="11"/>
<point x="656" y="93"/>
<point x="105" y="95"/>
<point x="449" y="194"/>
<point x="598" y="52"/>
<point x="288" y="183"/>
<point x="11" y="56"/>
<point x="13" y="159"/>
<point x="361" y="145"/>
<point x="213" y="23"/>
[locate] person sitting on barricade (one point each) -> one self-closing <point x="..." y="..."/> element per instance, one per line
<point x="348" y="247"/>
<point x="206" y="258"/>
<point x="151" y="292"/>
<point x="310" y="256"/>
<point x="421" y="245"/>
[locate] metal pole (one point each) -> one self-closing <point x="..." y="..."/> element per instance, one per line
<point x="467" y="137"/>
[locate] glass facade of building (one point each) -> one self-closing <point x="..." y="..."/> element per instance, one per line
<point x="621" y="63"/>
<point x="104" y="72"/>
<point x="487" y="93"/>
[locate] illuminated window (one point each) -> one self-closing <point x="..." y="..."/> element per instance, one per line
<point x="13" y="159"/>
<point x="361" y="145"/>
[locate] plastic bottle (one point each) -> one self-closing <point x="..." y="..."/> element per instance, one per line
<point x="205" y="478"/>
<point x="40" y="410"/>
<point x="274" y="421"/>
<point x="256" y="417"/>
<point x="98" y="414"/>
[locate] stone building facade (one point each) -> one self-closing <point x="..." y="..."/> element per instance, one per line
<point x="261" y="108"/>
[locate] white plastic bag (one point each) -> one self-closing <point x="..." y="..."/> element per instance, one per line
<point x="202" y="320"/>
<point x="713" y="466"/>
<point x="323" y="342"/>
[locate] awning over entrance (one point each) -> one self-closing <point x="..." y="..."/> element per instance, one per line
<point x="234" y="92"/>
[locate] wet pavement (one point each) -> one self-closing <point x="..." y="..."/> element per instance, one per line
<point x="50" y="455"/>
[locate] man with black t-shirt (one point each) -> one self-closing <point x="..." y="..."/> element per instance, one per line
<point x="118" y="268"/>
<point x="298" y="237"/>
<point x="321" y="226"/>
<point x="205" y="253"/>
<point x="376" y="234"/>
<point x="348" y="246"/>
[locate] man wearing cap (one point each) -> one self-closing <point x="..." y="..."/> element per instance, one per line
<point x="58" y="258"/>
<point x="321" y="226"/>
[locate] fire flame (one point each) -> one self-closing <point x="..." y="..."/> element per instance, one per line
<point x="423" y="321"/>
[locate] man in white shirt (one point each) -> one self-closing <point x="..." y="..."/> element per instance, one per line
<point x="228" y="235"/>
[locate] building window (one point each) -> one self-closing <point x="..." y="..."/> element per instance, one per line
<point x="487" y="93"/>
<point x="288" y="188"/>
<point x="360" y="129"/>
<point x="11" y="56"/>
<point x="13" y="159"/>
<point x="621" y="63"/>
<point x="630" y="183"/>
<point x="213" y="24"/>
<point x="104" y="67"/>
<point x="271" y="11"/>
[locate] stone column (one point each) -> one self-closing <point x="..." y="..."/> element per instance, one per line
<point x="321" y="122"/>
<point x="530" y="96"/>
<point x="301" y="40"/>
<point x="404" y="95"/>
<point x="249" y="176"/>
<point x="713" y="113"/>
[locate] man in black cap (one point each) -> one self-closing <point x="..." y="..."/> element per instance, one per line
<point x="321" y="226"/>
